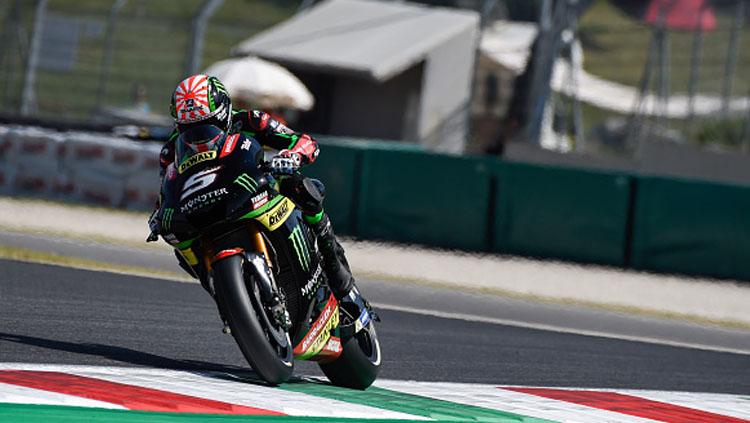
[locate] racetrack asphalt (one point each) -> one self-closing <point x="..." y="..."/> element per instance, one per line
<point x="52" y="314"/>
<point x="430" y="300"/>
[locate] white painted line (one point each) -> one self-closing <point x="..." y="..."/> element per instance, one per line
<point x="559" y="329"/>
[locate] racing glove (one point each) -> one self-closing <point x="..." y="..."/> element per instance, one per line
<point x="286" y="163"/>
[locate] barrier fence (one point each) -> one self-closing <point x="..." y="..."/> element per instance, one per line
<point x="469" y="203"/>
<point x="79" y="166"/>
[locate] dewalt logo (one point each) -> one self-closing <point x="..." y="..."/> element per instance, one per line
<point x="195" y="159"/>
<point x="273" y="218"/>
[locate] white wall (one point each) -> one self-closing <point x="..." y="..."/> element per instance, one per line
<point x="446" y="93"/>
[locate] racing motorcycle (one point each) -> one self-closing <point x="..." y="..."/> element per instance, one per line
<point x="221" y="207"/>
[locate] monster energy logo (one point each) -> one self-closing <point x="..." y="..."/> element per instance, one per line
<point x="247" y="182"/>
<point x="300" y="247"/>
<point x="220" y="87"/>
<point x="167" y="218"/>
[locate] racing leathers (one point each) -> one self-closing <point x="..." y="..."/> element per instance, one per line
<point x="295" y="149"/>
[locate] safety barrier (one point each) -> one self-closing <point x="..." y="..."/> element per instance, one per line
<point x="78" y="166"/>
<point x="692" y="227"/>
<point x="467" y="203"/>
<point x="424" y="198"/>
<point x="561" y="213"/>
<point x="337" y="167"/>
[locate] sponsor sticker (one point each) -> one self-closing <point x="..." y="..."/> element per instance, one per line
<point x="313" y="283"/>
<point x="273" y="218"/>
<point x="229" y="145"/>
<point x="200" y="201"/>
<point x="334" y="345"/>
<point x="259" y="200"/>
<point x="320" y="332"/>
<point x="246" y="144"/>
<point x="195" y="159"/>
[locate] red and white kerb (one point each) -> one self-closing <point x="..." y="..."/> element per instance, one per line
<point x="191" y="99"/>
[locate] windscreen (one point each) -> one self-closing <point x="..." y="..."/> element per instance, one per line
<point x="199" y="139"/>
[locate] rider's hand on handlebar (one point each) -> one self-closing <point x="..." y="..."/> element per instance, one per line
<point x="285" y="163"/>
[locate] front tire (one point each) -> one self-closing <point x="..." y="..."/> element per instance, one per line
<point x="256" y="336"/>
<point x="357" y="367"/>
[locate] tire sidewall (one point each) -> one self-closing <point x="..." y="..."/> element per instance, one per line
<point x="247" y="329"/>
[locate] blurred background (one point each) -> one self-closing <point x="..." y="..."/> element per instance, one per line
<point x="601" y="131"/>
<point x="618" y="71"/>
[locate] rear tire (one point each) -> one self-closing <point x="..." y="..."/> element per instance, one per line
<point x="357" y="367"/>
<point x="255" y="334"/>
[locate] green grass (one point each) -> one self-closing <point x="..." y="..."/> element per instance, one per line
<point x="616" y="48"/>
<point x="152" y="42"/>
<point x="151" y="47"/>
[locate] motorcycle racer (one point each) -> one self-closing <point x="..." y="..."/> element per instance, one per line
<point x="203" y="100"/>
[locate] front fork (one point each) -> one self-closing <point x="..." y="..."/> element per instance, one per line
<point x="258" y="263"/>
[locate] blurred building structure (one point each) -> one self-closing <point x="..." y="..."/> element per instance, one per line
<point x="380" y="70"/>
<point x="504" y="52"/>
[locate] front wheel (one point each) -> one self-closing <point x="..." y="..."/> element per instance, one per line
<point x="266" y="347"/>
<point x="358" y="365"/>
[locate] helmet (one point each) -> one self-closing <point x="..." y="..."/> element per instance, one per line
<point x="200" y="100"/>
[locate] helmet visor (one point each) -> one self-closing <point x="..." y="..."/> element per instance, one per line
<point x="199" y="139"/>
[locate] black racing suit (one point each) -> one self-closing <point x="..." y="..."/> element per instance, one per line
<point x="306" y="192"/>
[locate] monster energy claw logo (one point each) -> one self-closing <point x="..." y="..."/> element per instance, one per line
<point x="220" y="87"/>
<point x="246" y="182"/>
<point x="300" y="247"/>
<point x="167" y="218"/>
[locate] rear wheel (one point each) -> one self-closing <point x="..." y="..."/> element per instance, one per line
<point x="264" y="344"/>
<point x="358" y="366"/>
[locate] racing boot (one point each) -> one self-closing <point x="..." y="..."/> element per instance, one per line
<point x="340" y="278"/>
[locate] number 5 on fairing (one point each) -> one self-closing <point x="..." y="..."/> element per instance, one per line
<point x="198" y="182"/>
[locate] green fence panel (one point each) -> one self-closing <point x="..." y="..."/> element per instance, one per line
<point x="337" y="168"/>
<point x="424" y="198"/>
<point x="692" y="227"/>
<point x="562" y="213"/>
